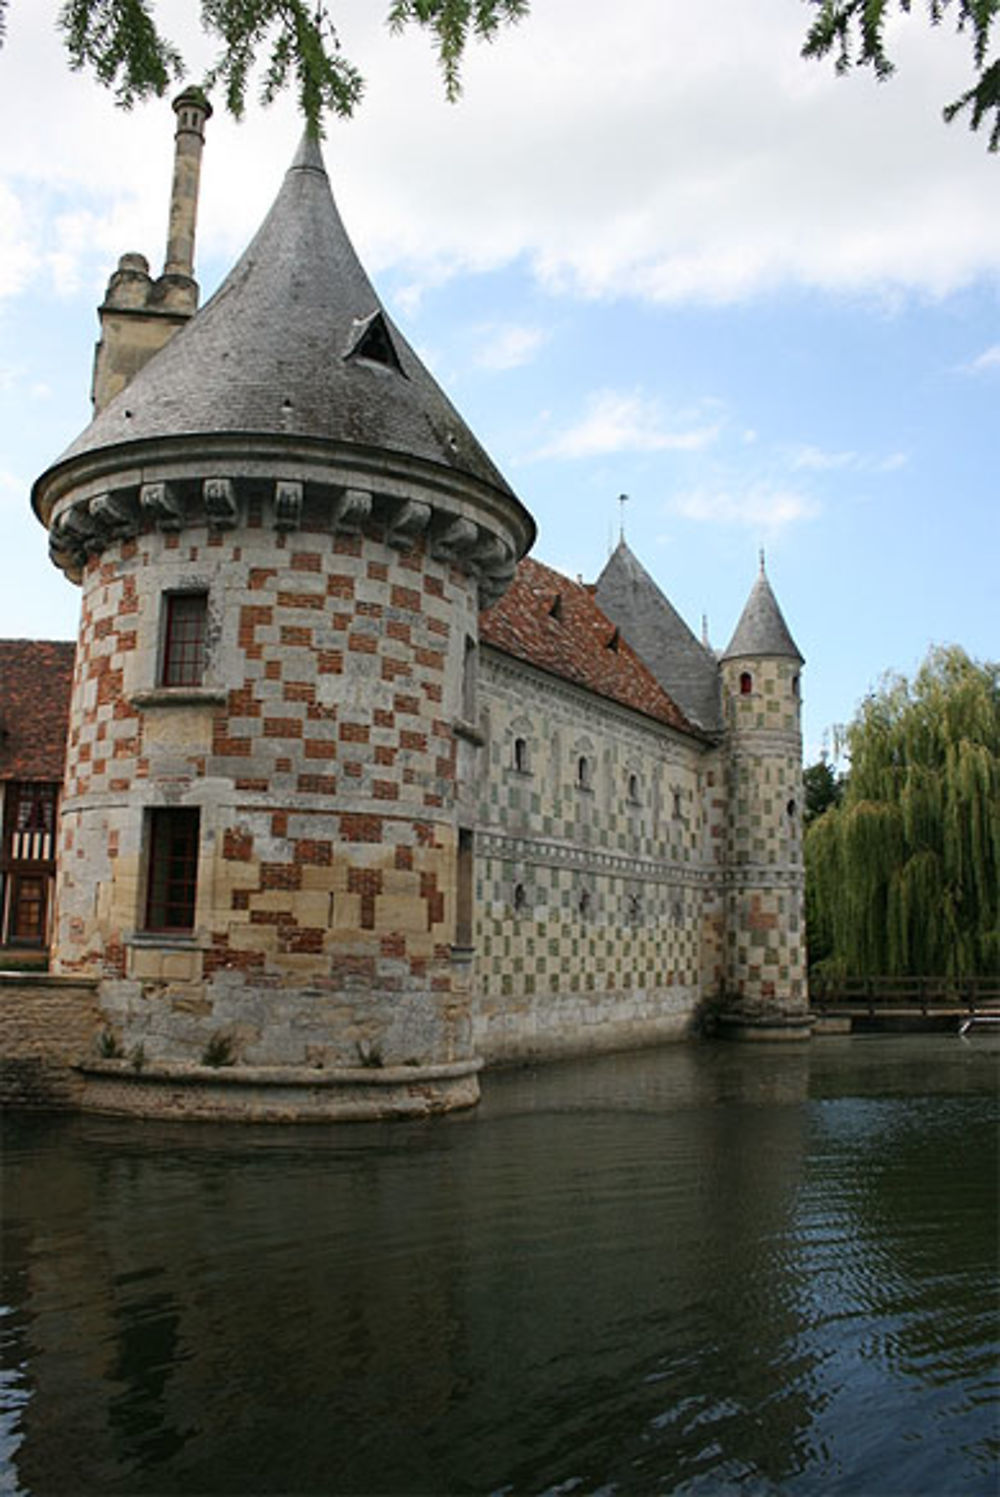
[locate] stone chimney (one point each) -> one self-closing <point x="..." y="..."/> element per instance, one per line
<point x="139" y="315"/>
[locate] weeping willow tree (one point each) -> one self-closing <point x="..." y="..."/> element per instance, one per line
<point x="903" y="877"/>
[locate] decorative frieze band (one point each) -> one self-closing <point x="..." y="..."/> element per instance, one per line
<point x="85" y="527"/>
<point x="549" y="854"/>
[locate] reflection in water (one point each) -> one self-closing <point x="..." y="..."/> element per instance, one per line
<point x="702" y="1269"/>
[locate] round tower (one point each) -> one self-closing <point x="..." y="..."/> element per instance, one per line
<point x="765" y="968"/>
<point x="284" y="533"/>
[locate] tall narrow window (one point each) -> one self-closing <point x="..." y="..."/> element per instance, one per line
<point x="470" y="670"/>
<point x="521" y="755"/>
<point x="746" y="684"/>
<point x="464" y="888"/>
<point x="184" y="639"/>
<point x="172" y="870"/>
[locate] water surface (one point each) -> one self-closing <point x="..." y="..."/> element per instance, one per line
<point x="704" y="1269"/>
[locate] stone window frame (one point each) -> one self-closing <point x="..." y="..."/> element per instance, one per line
<point x="172" y="845"/>
<point x="183" y="652"/>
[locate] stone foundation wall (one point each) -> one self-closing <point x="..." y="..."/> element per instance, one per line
<point x="557" y="1025"/>
<point x="47" y="1025"/>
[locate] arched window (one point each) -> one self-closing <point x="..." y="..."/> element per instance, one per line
<point x="521" y="755"/>
<point x="746" y="683"/>
<point x="584" y="903"/>
<point x="520" y="897"/>
<point x="583" y="772"/>
<point x="633" y="789"/>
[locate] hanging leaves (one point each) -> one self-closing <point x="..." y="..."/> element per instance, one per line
<point x="903" y="877"/>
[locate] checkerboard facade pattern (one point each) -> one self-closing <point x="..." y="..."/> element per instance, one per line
<point x="320" y="752"/>
<point x="765" y="923"/>
<point x="598" y="867"/>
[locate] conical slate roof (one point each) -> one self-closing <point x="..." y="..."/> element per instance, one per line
<point x="295" y="344"/>
<point x="762" y="629"/>
<point x="685" y="669"/>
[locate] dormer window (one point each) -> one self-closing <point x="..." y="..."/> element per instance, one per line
<point x="372" y="341"/>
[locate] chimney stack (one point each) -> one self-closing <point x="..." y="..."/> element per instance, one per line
<point x="192" y="110"/>
<point x="139" y="315"/>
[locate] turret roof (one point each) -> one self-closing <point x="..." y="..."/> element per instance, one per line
<point x="685" y="669"/>
<point x="762" y="629"/>
<point x="294" y="344"/>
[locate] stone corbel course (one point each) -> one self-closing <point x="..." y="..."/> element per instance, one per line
<point x="86" y="526"/>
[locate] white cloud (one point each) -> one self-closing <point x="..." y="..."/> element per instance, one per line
<point x="643" y="154"/>
<point x="808" y="458"/>
<point x="11" y="487"/>
<point x="759" y="505"/>
<point x="816" y="460"/>
<point x="616" y="421"/>
<point x="508" y="345"/>
<point x="17" y="245"/>
<point x="988" y="359"/>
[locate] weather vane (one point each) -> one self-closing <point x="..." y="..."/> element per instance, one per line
<point x="622" y="501"/>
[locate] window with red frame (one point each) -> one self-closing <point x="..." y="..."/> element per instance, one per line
<point x="172" y="878"/>
<point x="184" y="639"/>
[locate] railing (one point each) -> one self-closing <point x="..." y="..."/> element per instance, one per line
<point x="965" y="994"/>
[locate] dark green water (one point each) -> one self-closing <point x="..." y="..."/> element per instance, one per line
<point x="707" y="1269"/>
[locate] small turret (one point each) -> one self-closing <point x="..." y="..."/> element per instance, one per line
<point x="139" y="315"/>
<point x="765" y="981"/>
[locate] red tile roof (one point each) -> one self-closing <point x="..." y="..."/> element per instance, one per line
<point x="35" y="680"/>
<point x="552" y="623"/>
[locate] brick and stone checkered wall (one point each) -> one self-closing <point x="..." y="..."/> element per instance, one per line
<point x="321" y="755"/>
<point x="765" y="918"/>
<point x="598" y="906"/>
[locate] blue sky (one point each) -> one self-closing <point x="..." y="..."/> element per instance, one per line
<point x="642" y="256"/>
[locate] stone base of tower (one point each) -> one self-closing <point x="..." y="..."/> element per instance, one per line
<point x="277" y="1094"/>
<point x="764" y="1028"/>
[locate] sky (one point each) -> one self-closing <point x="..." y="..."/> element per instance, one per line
<point x="652" y="251"/>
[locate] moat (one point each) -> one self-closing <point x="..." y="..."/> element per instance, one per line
<point x="702" y="1269"/>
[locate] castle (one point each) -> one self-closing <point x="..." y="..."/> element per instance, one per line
<point x="359" y="796"/>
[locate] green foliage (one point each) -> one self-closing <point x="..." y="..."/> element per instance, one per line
<point x="303" y="41"/>
<point x="450" y="22"/>
<point x="297" y="39"/>
<point x="823" y="788"/>
<point x="903" y="877"/>
<point x="219" y="1050"/>
<point x="119" y="40"/>
<point x="109" y="1046"/>
<point x="290" y="40"/>
<point x="855" y="31"/>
